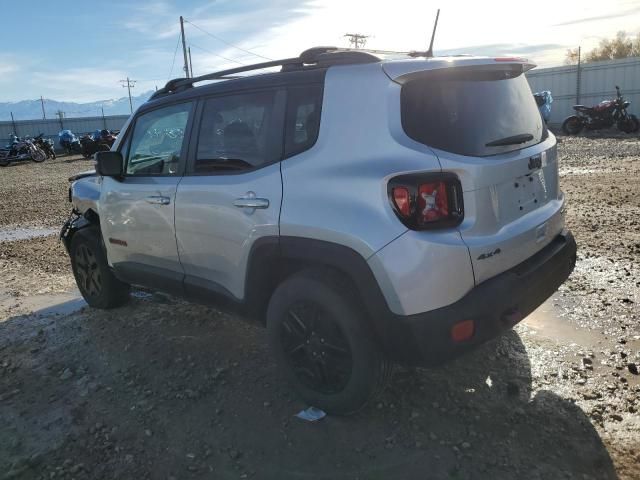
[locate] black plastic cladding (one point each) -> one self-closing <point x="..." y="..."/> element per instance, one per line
<point x="411" y="182"/>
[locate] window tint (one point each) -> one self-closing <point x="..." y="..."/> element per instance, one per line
<point x="303" y="118"/>
<point x="156" y="142"/>
<point x="469" y="112"/>
<point x="240" y="132"/>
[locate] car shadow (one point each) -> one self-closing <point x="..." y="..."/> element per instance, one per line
<point x="164" y="389"/>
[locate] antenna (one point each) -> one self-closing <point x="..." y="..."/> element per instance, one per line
<point x="433" y="35"/>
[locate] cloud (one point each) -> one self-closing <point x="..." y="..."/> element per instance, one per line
<point x="597" y="18"/>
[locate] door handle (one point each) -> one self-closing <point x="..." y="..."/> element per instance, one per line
<point x="251" y="201"/>
<point x="158" y="200"/>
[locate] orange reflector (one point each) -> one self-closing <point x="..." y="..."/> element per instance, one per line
<point x="462" y="331"/>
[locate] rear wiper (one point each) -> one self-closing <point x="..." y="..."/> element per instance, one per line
<point x="512" y="140"/>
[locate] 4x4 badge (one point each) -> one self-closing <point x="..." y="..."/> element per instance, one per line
<point x="484" y="256"/>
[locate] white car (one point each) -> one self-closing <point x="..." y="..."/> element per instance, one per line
<point x="368" y="210"/>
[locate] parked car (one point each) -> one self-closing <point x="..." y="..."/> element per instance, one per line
<point x="367" y="211"/>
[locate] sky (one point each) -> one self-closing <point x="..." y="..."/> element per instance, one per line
<point x="79" y="50"/>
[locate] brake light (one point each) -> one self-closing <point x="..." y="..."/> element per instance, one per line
<point x="427" y="201"/>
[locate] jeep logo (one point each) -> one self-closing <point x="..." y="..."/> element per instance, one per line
<point x="535" y="162"/>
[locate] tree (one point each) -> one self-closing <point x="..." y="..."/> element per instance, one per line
<point x="621" y="46"/>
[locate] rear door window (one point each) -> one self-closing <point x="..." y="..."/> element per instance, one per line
<point x="472" y="112"/>
<point x="240" y="132"/>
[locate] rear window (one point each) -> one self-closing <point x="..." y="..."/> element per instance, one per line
<point x="471" y="112"/>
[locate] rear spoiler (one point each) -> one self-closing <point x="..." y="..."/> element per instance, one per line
<point x="401" y="71"/>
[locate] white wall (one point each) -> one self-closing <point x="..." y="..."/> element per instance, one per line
<point x="598" y="81"/>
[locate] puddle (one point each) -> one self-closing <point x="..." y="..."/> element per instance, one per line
<point x="11" y="234"/>
<point x="548" y="322"/>
<point x="44" y="304"/>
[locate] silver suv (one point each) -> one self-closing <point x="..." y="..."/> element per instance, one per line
<point x="367" y="210"/>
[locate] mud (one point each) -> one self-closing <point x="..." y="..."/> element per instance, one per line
<point x="164" y="389"/>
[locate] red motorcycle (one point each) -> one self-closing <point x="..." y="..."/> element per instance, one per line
<point x="604" y="115"/>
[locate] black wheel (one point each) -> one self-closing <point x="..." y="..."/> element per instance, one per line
<point x="323" y="344"/>
<point x="572" y="125"/>
<point x="97" y="284"/>
<point x="4" y="161"/>
<point x="629" y="124"/>
<point x="38" y="155"/>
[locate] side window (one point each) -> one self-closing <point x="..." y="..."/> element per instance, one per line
<point x="303" y="118"/>
<point x="240" y="132"/>
<point x="155" y="144"/>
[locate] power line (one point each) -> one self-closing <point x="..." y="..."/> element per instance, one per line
<point x="174" y="57"/>
<point x="225" y="42"/>
<point x="215" y="54"/>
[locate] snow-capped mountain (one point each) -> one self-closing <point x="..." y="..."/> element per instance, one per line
<point x="32" y="109"/>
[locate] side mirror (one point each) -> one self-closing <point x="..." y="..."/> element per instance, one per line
<point x="109" y="164"/>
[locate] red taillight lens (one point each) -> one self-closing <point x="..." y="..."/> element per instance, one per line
<point x="433" y="204"/>
<point x="426" y="201"/>
<point x="402" y="201"/>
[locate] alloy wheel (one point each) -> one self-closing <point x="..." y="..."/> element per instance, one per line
<point x="316" y="348"/>
<point x="88" y="272"/>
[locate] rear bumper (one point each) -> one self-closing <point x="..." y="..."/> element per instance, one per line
<point x="495" y="306"/>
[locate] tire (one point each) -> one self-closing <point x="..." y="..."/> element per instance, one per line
<point x="38" y="155"/>
<point x="629" y="124"/>
<point x="95" y="280"/>
<point x="322" y="343"/>
<point x="4" y="161"/>
<point x="572" y="125"/>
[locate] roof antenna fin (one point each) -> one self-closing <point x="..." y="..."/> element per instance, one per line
<point x="433" y="35"/>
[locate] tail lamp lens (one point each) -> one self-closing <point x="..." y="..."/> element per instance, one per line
<point x="401" y="200"/>
<point x="424" y="201"/>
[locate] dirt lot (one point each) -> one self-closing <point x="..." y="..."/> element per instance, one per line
<point x="163" y="389"/>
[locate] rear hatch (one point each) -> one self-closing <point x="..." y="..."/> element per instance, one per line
<point x="480" y="118"/>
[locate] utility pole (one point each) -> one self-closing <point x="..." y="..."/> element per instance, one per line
<point x="129" y="84"/>
<point x="13" y="122"/>
<point x="44" y="116"/>
<point x="184" y="48"/>
<point x="104" y="120"/>
<point x="190" y="62"/>
<point x="357" y="40"/>
<point x="578" y="75"/>
<point x="60" y="115"/>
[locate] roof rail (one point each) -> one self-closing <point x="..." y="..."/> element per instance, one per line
<point x="316" y="56"/>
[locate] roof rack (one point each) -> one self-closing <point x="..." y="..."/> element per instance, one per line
<point x="312" y="57"/>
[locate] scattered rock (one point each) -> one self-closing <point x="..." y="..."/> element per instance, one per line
<point x="633" y="368"/>
<point x="66" y="374"/>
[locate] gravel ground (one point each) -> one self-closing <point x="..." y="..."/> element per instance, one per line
<point x="164" y="389"/>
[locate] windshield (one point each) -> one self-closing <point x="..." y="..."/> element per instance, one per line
<point x="471" y="112"/>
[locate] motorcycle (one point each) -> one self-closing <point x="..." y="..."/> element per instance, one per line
<point x="46" y="145"/>
<point x="19" y="150"/>
<point x="69" y="142"/>
<point x="99" y="141"/>
<point x="604" y="115"/>
<point x="544" y="100"/>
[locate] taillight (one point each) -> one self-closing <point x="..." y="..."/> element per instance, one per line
<point x="427" y="201"/>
